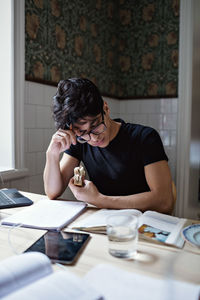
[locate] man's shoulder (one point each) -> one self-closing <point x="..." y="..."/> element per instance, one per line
<point x="136" y="129"/>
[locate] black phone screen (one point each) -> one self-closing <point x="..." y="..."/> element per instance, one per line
<point x="62" y="247"/>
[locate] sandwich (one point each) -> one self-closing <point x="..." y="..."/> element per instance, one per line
<point x="79" y="176"/>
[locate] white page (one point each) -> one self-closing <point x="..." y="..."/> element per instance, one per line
<point x="19" y="270"/>
<point x="162" y="217"/>
<point x="117" y="284"/>
<point x="99" y="218"/>
<point x="175" y="236"/>
<point x="61" y="285"/>
<point x="47" y="214"/>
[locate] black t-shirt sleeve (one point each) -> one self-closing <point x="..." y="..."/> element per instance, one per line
<point x="152" y="146"/>
<point x="75" y="151"/>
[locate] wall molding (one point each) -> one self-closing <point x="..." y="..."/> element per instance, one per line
<point x="18" y="96"/>
<point x="187" y="200"/>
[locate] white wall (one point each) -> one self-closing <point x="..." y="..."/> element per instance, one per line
<point x="39" y="127"/>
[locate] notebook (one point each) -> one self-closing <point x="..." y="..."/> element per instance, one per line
<point x="12" y="198"/>
<point x="47" y="214"/>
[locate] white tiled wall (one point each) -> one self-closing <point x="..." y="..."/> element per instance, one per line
<point x="39" y="127"/>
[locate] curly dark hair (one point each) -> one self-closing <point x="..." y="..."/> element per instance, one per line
<point x="75" y="99"/>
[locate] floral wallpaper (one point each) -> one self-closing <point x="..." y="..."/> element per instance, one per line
<point x="128" y="48"/>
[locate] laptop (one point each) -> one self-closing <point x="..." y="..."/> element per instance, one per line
<point x="10" y="198"/>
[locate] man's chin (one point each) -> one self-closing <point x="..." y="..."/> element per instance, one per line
<point x="101" y="144"/>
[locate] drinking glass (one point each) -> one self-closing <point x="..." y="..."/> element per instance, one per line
<point x="122" y="232"/>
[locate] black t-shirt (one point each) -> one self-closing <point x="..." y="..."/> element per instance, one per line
<point x="118" y="169"/>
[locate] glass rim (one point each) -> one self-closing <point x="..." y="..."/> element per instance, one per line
<point x="130" y="218"/>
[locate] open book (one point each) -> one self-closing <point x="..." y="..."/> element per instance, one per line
<point x="152" y="225"/>
<point x="30" y="275"/>
<point x="47" y="214"/>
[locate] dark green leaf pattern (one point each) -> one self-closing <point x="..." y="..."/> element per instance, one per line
<point x="128" y="48"/>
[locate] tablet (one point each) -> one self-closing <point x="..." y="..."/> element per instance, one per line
<point x="61" y="247"/>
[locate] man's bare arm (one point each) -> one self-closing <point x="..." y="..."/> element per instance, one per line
<point x="159" y="198"/>
<point x="58" y="173"/>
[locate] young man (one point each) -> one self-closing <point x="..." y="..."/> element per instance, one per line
<point x="126" y="163"/>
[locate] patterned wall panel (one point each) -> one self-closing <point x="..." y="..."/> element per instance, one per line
<point x="128" y="48"/>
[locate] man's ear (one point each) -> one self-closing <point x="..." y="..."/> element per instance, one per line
<point x="106" y="107"/>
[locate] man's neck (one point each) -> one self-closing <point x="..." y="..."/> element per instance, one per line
<point x="114" y="129"/>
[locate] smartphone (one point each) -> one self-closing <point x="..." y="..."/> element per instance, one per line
<point x="61" y="247"/>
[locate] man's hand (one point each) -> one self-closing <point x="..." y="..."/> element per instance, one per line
<point x="88" y="193"/>
<point x="61" y="141"/>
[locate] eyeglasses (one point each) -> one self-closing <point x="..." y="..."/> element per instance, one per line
<point x="85" y="137"/>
